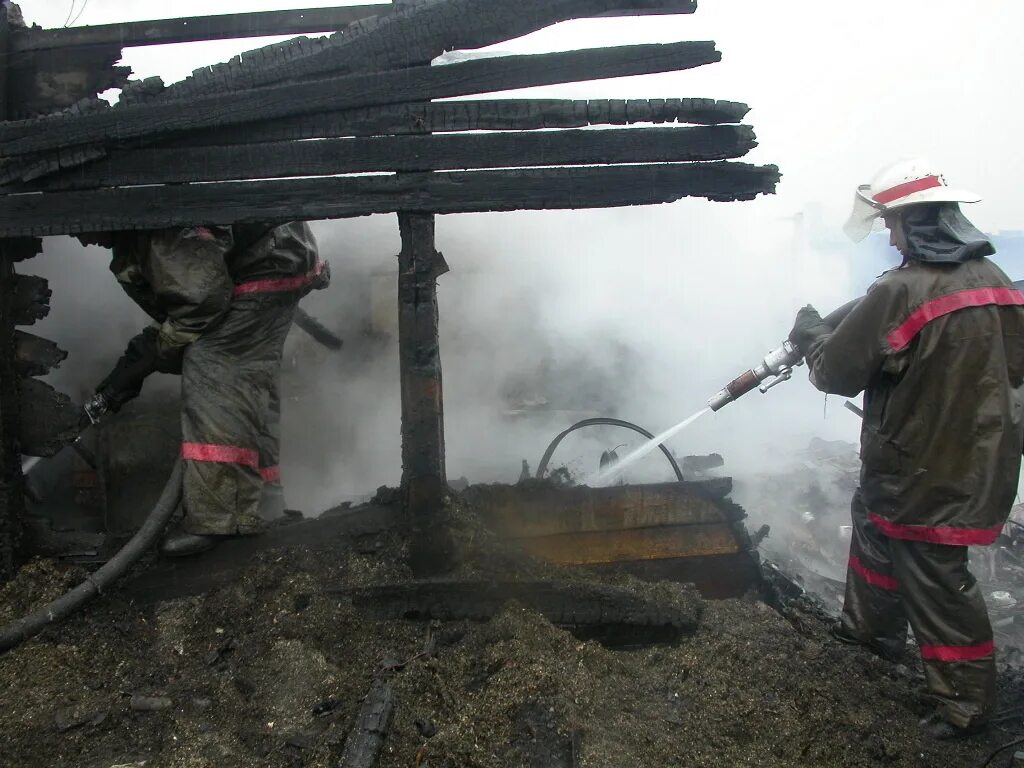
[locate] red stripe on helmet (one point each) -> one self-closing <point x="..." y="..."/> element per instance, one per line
<point x="892" y="194"/>
<point x="874" y="578"/>
<point x="956" y="537"/>
<point x="944" y="305"/>
<point x="271" y="474"/>
<point x="220" y="454"/>
<point x="957" y="652"/>
<point x="279" y="285"/>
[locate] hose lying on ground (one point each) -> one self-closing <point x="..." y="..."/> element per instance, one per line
<point x="18" y="631"/>
<point x="601" y="421"/>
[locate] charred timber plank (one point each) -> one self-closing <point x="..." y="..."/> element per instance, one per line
<point x="476" y="115"/>
<point x="344" y="197"/>
<point x="414" y="32"/>
<point x="12" y="484"/>
<point x="21" y="248"/>
<point x="424" y="481"/>
<point x="542" y="509"/>
<point x="414" y="84"/>
<point x="11" y="481"/>
<point x="36" y="356"/>
<point x="30" y="299"/>
<point x="407" y="153"/>
<point x="365" y="740"/>
<point x="189" y="29"/>
<point x="48" y="420"/>
<point x="657" y="543"/>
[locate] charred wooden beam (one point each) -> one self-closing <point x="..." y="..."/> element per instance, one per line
<point x="365" y="740"/>
<point x="29" y="298"/>
<point x="414" y="84"/>
<point x="407" y="153"/>
<point x="475" y="115"/>
<point x="47" y="421"/>
<point x="58" y="213"/>
<point x="424" y="481"/>
<point x="412" y="33"/>
<point x="36" y="356"/>
<point x="193" y="28"/>
<point x="12" y="484"/>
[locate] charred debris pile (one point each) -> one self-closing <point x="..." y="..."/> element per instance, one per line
<point x="329" y="652"/>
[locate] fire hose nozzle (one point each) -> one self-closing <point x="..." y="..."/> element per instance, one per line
<point x="777" y="365"/>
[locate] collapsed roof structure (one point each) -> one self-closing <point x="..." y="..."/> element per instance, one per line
<point x="356" y="123"/>
<point x="231" y="143"/>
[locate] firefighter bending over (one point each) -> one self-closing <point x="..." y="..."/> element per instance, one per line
<point x="937" y="347"/>
<point x="223" y="299"/>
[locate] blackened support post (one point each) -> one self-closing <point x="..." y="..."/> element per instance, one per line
<point x="11" y="482"/>
<point x="424" y="482"/>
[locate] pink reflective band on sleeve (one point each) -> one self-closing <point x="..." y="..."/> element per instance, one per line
<point x="271" y="474"/>
<point x="944" y="305"/>
<point x="874" y="578"/>
<point x="892" y="194"/>
<point x="220" y="454"/>
<point x="281" y="284"/>
<point x="957" y="537"/>
<point x="957" y="652"/>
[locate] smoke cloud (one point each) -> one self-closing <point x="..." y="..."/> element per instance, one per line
<point x="640" y="313"/>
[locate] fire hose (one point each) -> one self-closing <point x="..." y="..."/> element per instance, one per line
<point x="543" y="466"/>
<point x="22" y="629"/>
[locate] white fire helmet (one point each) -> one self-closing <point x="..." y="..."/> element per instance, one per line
<point x="905" y="182"/>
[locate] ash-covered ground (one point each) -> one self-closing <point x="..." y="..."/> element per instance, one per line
<point x="270" y="670"/>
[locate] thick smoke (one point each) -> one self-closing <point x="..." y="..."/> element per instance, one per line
<point x="637" y="313"/>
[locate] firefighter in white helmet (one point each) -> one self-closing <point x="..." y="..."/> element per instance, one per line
<point x="936" y="347"/>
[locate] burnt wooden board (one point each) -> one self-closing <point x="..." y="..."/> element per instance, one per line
<point x="193" y="28"/>
<point x="630" y="544"/>
<point x="542" y="509"/>
<point x="472" y="115"/>
<point x="343" y="197"/>
<point x="34" y="355"/>
<point x="351" y="91"/>
<point x="414" y="32"/>
<point x="407" y="153"/>
<point x="48" y="419"/>
<point x="29" y="299"/>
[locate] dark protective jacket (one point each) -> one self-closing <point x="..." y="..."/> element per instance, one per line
<point x="938" y="350"/>
<point x="186" y="278"/>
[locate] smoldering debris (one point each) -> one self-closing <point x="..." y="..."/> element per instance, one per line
<point x="278" y="668"/>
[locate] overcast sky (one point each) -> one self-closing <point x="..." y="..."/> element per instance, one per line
<point x="700" y="290"/>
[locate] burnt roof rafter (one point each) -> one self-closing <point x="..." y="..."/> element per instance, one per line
<point x="277" y="134"/>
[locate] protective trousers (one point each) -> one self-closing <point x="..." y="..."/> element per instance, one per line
<point x="230" y="418"/>
<point x="890" y="581"/>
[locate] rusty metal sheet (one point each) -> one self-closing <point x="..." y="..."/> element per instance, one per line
<point x="544" y="510"/>
<point x="667" y="541"/>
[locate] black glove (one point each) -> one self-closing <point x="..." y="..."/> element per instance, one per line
<point x="139" y="360"/>
<point x="807" y="328"/>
